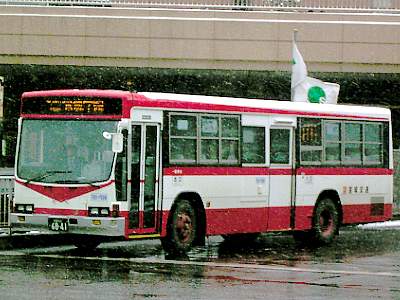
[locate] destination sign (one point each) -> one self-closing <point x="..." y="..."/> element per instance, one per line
<point x="81" y="106"/>
<point x="309" y="135"/>
<point x="72" y="106"/>
<point x="310" y="132"/>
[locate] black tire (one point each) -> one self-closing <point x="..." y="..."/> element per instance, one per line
<point x="182" y="228"/>
<point x="325" y="224"/>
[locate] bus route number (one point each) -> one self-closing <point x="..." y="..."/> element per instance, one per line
<point x="58" y="225"/>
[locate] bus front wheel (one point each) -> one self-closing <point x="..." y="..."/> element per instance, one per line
<point x="325" y="221"/>
<point x="182" y="228"/>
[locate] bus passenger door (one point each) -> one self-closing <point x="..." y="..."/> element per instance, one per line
<point x="145" y="171"/>
<point x="281" y="177"/>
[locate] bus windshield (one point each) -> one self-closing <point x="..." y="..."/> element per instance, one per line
<point x="65" y="151"/>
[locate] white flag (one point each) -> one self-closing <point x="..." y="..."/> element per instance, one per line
<point x="316" y="91"/>
<point x="299" y="68"/>
<point x="308" y="89"/>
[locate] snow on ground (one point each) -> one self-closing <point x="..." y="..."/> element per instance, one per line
<point x="381" y="225"/>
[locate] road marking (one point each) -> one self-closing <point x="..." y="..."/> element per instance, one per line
<point x="221" y="265"/>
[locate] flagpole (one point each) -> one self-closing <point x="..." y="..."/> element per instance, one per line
<point x="295" y="31"/>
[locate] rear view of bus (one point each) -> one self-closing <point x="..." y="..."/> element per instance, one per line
<point x="64" y="163"/>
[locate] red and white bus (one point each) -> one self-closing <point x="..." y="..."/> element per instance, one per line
<point x="116" y="164"/>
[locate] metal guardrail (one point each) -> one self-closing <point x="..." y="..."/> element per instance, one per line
<point x="6" y="199"/>
<point x="300" y="5"/>
<point x="396" y="180"/>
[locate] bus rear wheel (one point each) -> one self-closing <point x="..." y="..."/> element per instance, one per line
<point x="325" y="222"/>
<point x="182" y="228"/>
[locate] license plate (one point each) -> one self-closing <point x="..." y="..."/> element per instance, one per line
<point x="58" y="224"/>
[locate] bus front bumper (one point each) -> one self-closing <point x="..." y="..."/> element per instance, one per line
<point x="101" y="226"/>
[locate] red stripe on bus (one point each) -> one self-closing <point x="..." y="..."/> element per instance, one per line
<point x="262" y="219"/>
<point x="75" y="92"/>
<point x="217" y="171"/>
<point x="69" y="212"/>
<point x="61" y="212"/>
<point x="210" y="171"/>
<point x="281" y="171"/>
<point x="229" y="171"/>
<point x="303" y="217"/>
<point x="366" y="213"/>
<point x="344" y="171"/>
<point x="142" y="101"/>
<point x="236" y="220"/>
<point x="62" y="193"/>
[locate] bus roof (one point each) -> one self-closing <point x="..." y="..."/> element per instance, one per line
<point x="228" y="104"/>
<point x="275" y="107"/>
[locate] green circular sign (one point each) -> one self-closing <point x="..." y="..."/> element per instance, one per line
<point x="316" y="94"/>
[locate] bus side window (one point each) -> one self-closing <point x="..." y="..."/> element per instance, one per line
<point x="310" y="136"/>
<point x="253" y="146"/>
<point x="280" y="146"/>
<point x="352" y="143"/>
<point x="183" y="138"/>
<point x="121" y="171"/>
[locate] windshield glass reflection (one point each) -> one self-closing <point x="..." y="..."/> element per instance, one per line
<point x="65" y="151"/>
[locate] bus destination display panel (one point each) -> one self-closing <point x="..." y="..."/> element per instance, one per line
<point x="72" y="106"/>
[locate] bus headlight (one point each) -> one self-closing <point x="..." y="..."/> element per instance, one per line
<point x="98" y="212"/>
<point x="24" y="208"/>
<point x="29" y="208"/>
<point x="19" y="208"/>
<point x="93" y="211"/>
<point x="104" y="212"/>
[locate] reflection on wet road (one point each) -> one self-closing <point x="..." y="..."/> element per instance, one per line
<point x="360" y="264"/>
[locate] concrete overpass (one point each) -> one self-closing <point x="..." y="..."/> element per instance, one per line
<point x="206" y="39"/>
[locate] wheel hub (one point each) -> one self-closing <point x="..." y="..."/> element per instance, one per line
<point x="184" y="227"/>
<point x="326" y="223"/>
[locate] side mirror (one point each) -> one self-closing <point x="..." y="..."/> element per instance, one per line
<point x="117" y="140"/>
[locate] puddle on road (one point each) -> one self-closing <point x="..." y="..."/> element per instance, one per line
<point x="268" y="249"/>
<point x="70" y="267"/>
<point x="281" y="249"/>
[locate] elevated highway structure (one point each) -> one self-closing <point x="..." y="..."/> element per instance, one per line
<point x="330" y="41"/>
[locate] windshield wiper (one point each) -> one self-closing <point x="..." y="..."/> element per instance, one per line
<point x="47" y="174"/>
<point x="76" y="182"/>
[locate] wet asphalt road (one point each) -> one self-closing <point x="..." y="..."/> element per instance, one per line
<point x="360" y="264"/>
